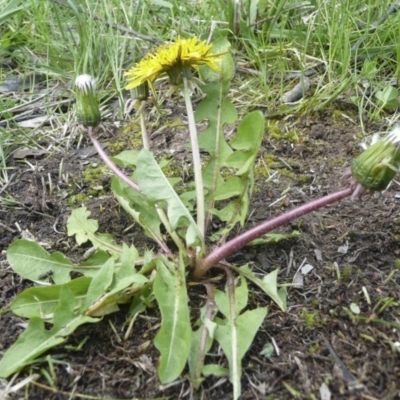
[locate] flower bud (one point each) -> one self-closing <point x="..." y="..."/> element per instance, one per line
<point x="141" y="92"/>
<point x="378" y="164"/>
<point x="87" y="105"/>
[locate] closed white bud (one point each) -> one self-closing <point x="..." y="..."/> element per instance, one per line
<point x="87" y="105"/>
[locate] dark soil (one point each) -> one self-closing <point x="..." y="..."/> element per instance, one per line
<point x="321" y="349"/>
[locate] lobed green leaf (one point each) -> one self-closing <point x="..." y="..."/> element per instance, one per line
<point x="37" y="339"/>
<point x="30" y="260"/>
<point x="126" y="282"/>
<point x="269" y="238"/>
<point x="247" y="143"/>
<point x="268" y="284"/>
<point x="42" y="301"/>
<point x="158" y="190"/>
<point x="139" y="208"/>
<point x="202" y="340"/>
<point x="100" y="283"/>
<point x="235" y="333"/>
<point x="173" y="340"/>
<point x="85" y="230"/>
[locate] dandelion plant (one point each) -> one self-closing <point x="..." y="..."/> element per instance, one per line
<point x="178" y="221"/>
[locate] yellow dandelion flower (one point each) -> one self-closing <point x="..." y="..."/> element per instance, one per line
<point x="175" y="59"/>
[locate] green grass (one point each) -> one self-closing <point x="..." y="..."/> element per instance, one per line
<point x="62" y="39"/>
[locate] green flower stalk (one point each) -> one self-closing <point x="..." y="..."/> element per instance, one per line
<point x="178" y="60"/>
<point x="87" y="105"/>
<point x="374" y="168"/>
<point x="141" y="92"/>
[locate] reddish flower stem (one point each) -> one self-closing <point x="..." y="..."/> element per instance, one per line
<point x="238" y="242"/>
<point x="110" y="164"/>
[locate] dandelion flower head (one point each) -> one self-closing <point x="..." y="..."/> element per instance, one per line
<point x="175" y="59"/>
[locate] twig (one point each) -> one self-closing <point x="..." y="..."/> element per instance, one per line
<point x="3" y="188"/>
<point x="115" y="26"/>
<point x="353" y="382"/>
<point x="7" y="228"/>
<point x="391" y="10"/>
<point x="291" y="74"/>
<point x="56" y="391"/>
<point x="28" y="114"/>
<point x="298" y="92"/>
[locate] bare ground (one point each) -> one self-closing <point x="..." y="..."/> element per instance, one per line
<point x="320" y="347"/>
